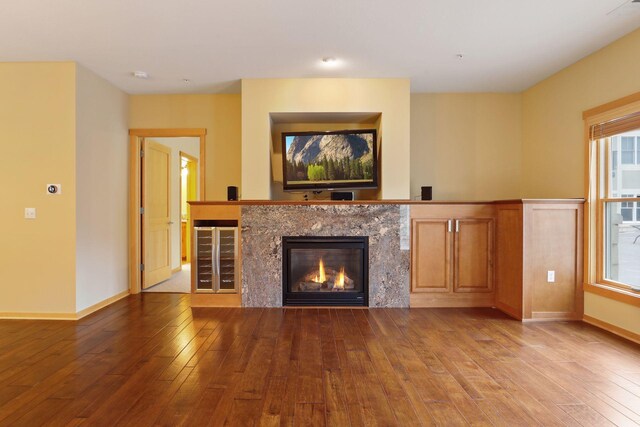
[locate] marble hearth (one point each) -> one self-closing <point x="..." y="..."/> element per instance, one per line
<point x="386" y="225"/>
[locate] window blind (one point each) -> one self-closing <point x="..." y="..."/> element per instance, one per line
<point x="616" y="126"/>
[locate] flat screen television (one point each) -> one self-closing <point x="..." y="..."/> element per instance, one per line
<point x="345" y="159"/>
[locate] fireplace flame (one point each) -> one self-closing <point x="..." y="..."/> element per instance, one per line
<point x="339" y="282"/>
<point x="322" y="277"/>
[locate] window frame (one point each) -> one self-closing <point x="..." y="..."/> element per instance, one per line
<point x="599" y="192"/>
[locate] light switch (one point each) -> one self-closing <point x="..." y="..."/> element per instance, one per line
<point x="30" y="213"/>
<point x="551" y="276"/>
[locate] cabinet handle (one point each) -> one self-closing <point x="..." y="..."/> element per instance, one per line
<point x="457" y="226"/>
<point x="449" y="225"/>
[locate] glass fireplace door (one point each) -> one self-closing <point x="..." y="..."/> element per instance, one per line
<point x="325" y="270"/>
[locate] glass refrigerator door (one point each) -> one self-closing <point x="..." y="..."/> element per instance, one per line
<point x="205" y="246"/>
<point x="227" y="259"/>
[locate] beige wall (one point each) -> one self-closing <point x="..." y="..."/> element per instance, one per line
<point x="219" y="114"/>
<point x="37" y="118"/>
<point x="466" y="146"/>
<point x="260" y="97"/>
<point x="553" y="131"/>
<point x="102" y="189"/>
<point x="553" y="150"/>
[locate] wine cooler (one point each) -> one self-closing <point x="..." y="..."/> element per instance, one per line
<point x="216" y="259"/>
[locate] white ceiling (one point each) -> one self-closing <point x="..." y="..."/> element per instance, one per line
<point x="508" y="45"/>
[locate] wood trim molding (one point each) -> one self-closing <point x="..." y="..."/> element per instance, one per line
<point x="202" y="162"/>
<point x="546" y="316"/>
<point x="418" y="203"/>
<point x="424" y="300"/>
<point x="38" y="316"/>
<point x="102" y="304"/>
<point x="134" y="222"/>
<point x="609" y="106"/>
<point x="135" y="136"/>
<point x="616" y="330"/>
<point x="66" y="316"/>
<point x="216" y="300"/>
<point x="627" y="297"/>
<point x="167" y="133"/>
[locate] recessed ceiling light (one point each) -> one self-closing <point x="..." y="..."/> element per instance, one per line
<point x="459" y="55"/>
<point x="186" y="81"/>
<point x="140" y="74"/>
<point x="329" y="61"/>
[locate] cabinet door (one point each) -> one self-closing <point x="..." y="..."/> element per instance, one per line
<point x="430" y="255"/>
<point x="473" y="259"/>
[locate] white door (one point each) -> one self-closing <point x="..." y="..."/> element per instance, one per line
<point x="156" y="219"/>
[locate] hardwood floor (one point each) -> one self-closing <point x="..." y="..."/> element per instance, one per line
<point x="148" y="360"/>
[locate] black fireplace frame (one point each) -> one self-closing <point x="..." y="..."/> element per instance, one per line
<point x="342" y="299"/>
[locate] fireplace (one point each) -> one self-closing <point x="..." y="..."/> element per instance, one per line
<point x="331" y="271"/>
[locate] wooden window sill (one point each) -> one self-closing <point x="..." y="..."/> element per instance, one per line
<point x="622" y="295"/>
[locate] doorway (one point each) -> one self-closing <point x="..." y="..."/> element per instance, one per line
<point x="167" y="170"/>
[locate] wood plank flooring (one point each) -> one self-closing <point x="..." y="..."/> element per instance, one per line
<point x="149" y="360"/>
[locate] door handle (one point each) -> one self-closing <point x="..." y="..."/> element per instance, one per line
<point x="457" y="226"/>
<point x="449" y="226"/>
<point x="170" y="222"/>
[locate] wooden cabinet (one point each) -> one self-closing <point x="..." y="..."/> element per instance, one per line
<point x="498" y="254"/>
<point x="533" y="238"/>
<point x="220" y="293"/>
<point x="452" y="255"/>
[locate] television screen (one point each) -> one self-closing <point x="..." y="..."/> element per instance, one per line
<point x="328" y="160"/>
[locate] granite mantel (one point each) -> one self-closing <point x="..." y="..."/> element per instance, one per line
<point x="263" y="227"/>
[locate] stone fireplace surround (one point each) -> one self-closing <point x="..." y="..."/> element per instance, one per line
<point x="263" y="226"/>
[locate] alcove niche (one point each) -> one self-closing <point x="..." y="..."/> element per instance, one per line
<point x="322" y="122"/>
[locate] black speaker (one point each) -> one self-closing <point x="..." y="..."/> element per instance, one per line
<point x="427" y="193"/>
<point x="342" y="195"/>
<point x="232" y="193"/>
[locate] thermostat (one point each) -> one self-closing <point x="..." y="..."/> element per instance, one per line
<point x="54" y="189"/>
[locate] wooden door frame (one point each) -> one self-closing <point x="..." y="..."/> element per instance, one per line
<point x="135" y="229"/>
<point x="190" y="159"/>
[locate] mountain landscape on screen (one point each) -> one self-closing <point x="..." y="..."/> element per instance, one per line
<point x="340" y="158"/>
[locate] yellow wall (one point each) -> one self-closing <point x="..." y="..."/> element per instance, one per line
<point x="625" y="316"/>
<point x="37" y="119"/>
<point x="553" y="150"/>
<point x="260" y="97"/>
<point x="466" y="146"/>
<point x="219" y="114"/>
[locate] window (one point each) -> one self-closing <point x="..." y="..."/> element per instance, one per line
<point x="614" y="198"/>
<point x="628" y="150"/>
<point x="626" y="209"/>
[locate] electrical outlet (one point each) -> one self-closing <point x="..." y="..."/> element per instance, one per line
<point x="30" y="213"/>
<point x="551" y="276"/>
